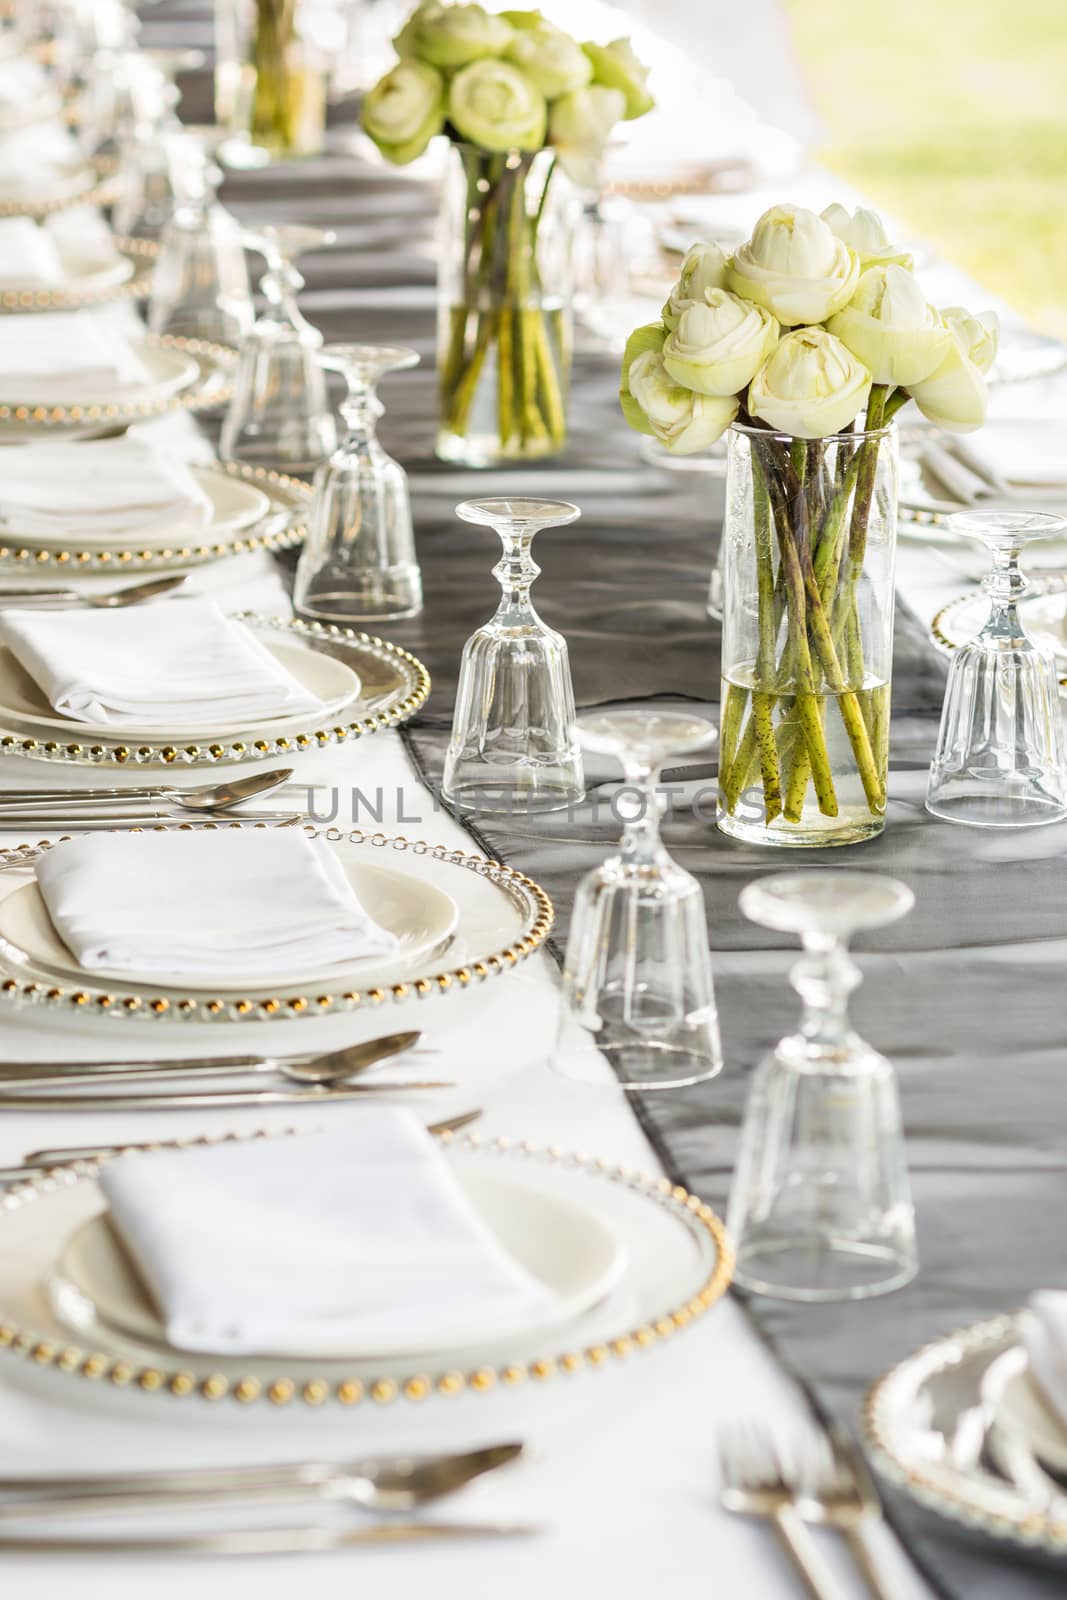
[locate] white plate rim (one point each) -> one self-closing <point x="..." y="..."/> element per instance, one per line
<point x="171" y="371"/>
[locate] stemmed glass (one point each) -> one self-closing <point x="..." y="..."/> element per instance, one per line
<point x="820" y="1207"/>
<point x="150" y="151"/>
<point x="637" y="978"/>
<point x="280" y="415"/>
<point x="1000" y="759"/>
<point x="358" y="561"/>
<point x="513" y="746"/>
<point x="200" y="286"/>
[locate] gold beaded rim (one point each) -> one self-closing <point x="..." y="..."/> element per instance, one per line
<point x="285" y="492"/>
<point x="211" y="389"/>
<point x="99" y="190"/>
<point x="199" y="1382"/>
<point x="393" y="707"/>
<point x="947" y="645"/>
<point x="91" y="998"/>
<point x="144" y="254"/>
<point x="933" y="1484"/>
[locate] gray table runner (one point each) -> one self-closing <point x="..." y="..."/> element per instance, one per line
<point x="966" y="995"/>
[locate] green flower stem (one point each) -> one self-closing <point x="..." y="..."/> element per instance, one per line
<point x="551" y="395"/>
<point x="462" y="396"/>
<point x="505" y="384"/>
<point x="736" y="781"/>
<point x="762" y="699"/>
<point x="277" y="99"/>
<point x="735" y="699"/>
<point x="807" y="701"/>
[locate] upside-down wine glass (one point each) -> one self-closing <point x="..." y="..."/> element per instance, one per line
<point x="200" y="285"/>
<point x="1000" y="761"/>
<point x="280" y="414"/>
<point x="513" y="746"/>
<point x="358" y="561"/>
<point x="637" y="980"/>
<point x="820" y="1206"/>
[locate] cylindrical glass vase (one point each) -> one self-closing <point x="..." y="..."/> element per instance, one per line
<point x="809" y="543"/>
<point x="270" y="80"/>
<point x="504" y="297"/>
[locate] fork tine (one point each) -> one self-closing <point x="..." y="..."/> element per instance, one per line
<point x="730" y="1445"/>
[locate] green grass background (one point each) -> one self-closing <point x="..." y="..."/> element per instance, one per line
<point x="952" y="115"/>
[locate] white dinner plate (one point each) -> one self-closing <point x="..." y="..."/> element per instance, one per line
<point x="421" y="915"/>
<point x="169" y="372"/>
<point x="24" y="704"/>
<point x="557" y="1241"/>
<point x="235" y="506"/>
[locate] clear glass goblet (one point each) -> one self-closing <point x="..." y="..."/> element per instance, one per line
<point x="637" y="980"/>
<point x="358" y="561"/>
<point x="200" y="286"/>
<point x="1000" y="761"/>
<point x="513" y="746"/>
<point x="820" y="1206"/>
<point x="280" y="414"/>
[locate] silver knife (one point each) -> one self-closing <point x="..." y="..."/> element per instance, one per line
<point x="266" y="1541"/>
<point x="208" y="1100"/>
<point x="35" y="1162"/>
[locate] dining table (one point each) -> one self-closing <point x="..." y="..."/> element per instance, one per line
<point x="965" y="996"/>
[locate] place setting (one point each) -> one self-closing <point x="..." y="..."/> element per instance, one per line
<point x="64" y="262"/>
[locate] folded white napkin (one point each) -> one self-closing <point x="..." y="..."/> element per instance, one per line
<point x="257" y="904"/>
<point x="23" y="83"/>
<point x="179" y="664"/>
<point x="102" y="486"/>
<point x="59" y="356"/>
<point x="82" y="235"/>
<point x="1021" y="454"/>
<point x="1043" y="1331"/>
<point x="29" y="257"/>
<point x="34" y="161"/>
<point x="361" y="1234"/>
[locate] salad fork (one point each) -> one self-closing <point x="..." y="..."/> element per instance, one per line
<point x="754" y="1482"/>
<point x="833" y="1486"/>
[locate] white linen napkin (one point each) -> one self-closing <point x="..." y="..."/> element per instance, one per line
<point x="1021" y="454"/>
<point x="29" y="258"/>
<point x="257" y="904"/>
<point x="171" y="664"/>
<point x="359" y="1234"/>
<point x="57" y="356"/>
<point x="37" y="160"/>
<point x="23" y="83"/>
<point x="113" y="487"/>
<point x="82" y="235"/>
<point x="1043" y="1331"/>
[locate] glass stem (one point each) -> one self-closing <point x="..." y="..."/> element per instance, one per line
<point x="824" y="979"/>
<point x="1005" y="586"/>
<point x="641" y="844"/>
<point x="516" y="572"/>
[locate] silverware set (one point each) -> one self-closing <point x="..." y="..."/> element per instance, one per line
<point x="390" y="1488"/>
<point x="29" y="1084"/>
<point x="821" y="1481"/>
<point x="154" y="803"/>
<point x="133" y="594"/>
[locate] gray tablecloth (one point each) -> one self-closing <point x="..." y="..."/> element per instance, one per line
<point x="966" y="995"/>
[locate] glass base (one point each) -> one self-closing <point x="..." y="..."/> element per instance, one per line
<point x="1007" y="810"/>
<point x="830" y="1269"/>
<point x="485" y="450"/>
<point x="820" y="833"/>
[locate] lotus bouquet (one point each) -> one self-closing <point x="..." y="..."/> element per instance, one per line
<point x="808" y="341"/>
<point x="518" y="98"/>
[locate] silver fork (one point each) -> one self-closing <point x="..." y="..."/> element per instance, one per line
<point x="754" y="1482"/>
<point x="834" y="1487"/>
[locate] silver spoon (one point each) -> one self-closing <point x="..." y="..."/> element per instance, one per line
<point x="207" y="797"/>
<point x="114" y="599"/>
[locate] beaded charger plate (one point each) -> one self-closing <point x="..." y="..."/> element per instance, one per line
<point x="501" y="918"/>
<point x="911" y="1418"/>
<point x="280" y="503"/>
<point x="205" y="382"/>
<point x="677" y="1265"/>
<point x="392" y="685"/>
<point x="95" y="184"/>
<point x="137" y="261"/>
